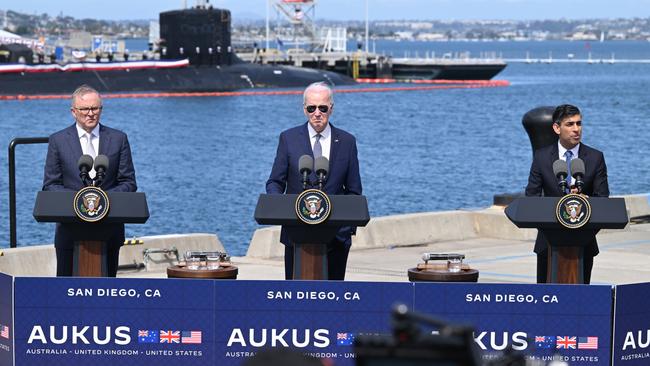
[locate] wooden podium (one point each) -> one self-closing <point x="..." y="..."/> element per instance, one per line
<point x="566" y="246"/>
<point x="89" y="258"/>
<point x="310" y="241"/>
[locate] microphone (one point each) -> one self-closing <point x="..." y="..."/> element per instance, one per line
<point x="578" y="172"/>
<point x="101" y="166"/>
<point x="85" y="163"/>
<point x="560" y="170"/>
<point x="321" y="166"/>
<point x="305" y="164"/>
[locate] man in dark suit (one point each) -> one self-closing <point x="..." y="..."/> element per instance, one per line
<point x="87" y="136"/>
<point x="567" y="124"/>
<point x="318" y="137"/>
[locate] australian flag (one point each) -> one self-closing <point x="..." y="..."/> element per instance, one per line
<point x="147" y="336"/>
<point x="344" y="339"/>
<point x="544" y="342"/>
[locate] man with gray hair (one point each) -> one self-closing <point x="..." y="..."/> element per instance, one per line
<point x="317" y="137"/>
<point x="87" y="137"/>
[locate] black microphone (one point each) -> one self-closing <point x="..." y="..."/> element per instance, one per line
<point x="85" y="163"/>
<point x="305" y="165"/>
<point x="101" y="166"/>
<point x="560" y="170"/>
<point x="321" y="166"/>
<point x="578" y="172"/>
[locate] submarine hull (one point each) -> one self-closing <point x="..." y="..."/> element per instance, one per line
<point x="188" y="79"/>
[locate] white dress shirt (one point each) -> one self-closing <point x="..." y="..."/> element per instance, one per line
<point x="94" y="140"/>
<point x="325" y="139"/>
<point x="562" y="150"/>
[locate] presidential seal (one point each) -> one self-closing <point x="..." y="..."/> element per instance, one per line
<point x="91" y="204"/>
<point x="573" y="211"/>
<point x="313" y="206"/>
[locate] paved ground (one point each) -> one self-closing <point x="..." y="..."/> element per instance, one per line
<point x="624" y="258"/>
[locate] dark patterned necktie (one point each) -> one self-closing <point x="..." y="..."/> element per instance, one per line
<point x="569" y="155"/>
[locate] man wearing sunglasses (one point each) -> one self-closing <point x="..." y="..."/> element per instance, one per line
<point x="87" y="136"/>
<point x="317" y="137"/>
<point x="567" y="124"/>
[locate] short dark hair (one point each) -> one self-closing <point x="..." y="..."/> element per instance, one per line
<point x="564" y="111"/>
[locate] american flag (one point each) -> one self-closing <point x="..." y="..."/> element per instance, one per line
<point x="587" y="342"/>
<point x="193" y="336"/>
<point x="170" y="336"/>
<point x="344" y="339"/>
<point x="4" y="331"/>
<point x="147" y="336"/>
<point x="565" y="342"/>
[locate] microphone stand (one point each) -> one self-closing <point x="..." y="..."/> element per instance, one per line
<point x="305" y="179"/>
<point x="83" y="174"/>
<point x="99" y="178"/>
<point x="562" y="184"/>
<point x="579" y="182"/>
<point x="321" y="178"/>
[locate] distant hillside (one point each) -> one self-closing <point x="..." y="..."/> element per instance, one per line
<point x="44" y="24"/>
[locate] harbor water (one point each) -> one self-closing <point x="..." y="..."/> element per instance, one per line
<point x="203" y="161"/>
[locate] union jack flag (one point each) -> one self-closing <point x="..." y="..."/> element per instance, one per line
<point x="170" y="336"/>
<point x="4" y="331"/>
<point x="565" y="342"/>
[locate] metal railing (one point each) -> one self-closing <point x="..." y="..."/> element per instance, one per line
<point x="12" y="180"/>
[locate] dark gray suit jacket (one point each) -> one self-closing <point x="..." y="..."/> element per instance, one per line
<point x="542" y="180"/>
<point x="62" y="172"/>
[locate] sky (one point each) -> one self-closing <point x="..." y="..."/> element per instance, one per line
<point x="351" y="9"/>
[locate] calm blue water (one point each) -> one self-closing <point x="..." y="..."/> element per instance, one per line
<point x="204" y="161"/>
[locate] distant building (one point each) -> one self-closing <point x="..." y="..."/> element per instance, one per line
<point x="81" y="40"/>
<point x="404" y="35"/>
<point x="582" y="36"/>
<point x="431" y="37"/>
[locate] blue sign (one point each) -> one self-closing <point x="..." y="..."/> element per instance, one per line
<point x="107" y="321"/>
<point x="545" y="322"/>
<point x="632" y="325"/>
<point x="316" y="317"/>
<point x="97" y="43"/>
<point x="58" y="53"/>
<point x="6" y="316"/>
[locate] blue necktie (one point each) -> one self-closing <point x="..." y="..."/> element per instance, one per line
<point x="318" y="149"/>
<point x="569" y="155"/>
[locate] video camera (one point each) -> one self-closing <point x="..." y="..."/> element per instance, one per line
<point x="409" y="345"/>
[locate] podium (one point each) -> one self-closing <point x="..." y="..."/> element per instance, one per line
<point x="566" y="246"/>
<point x="310" y="241"/>
<point x="89" y="237"/>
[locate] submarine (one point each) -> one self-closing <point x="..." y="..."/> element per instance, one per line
<point x="196" y="55"/>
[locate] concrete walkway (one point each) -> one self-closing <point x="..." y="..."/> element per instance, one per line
<point x="624" y="258"/>
<point x="387" y="247"/>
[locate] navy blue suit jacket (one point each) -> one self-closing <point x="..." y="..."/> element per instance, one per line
<point x="62" y="171"/>
<point x="542" y="180"/>
<point x="343" y="177"/>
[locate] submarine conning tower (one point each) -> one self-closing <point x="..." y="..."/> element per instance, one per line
<point x="200" y="34"/>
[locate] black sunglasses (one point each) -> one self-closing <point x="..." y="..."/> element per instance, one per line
<point x="321" y="108"/>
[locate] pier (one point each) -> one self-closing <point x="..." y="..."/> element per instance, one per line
<point x="386" y="248"/>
